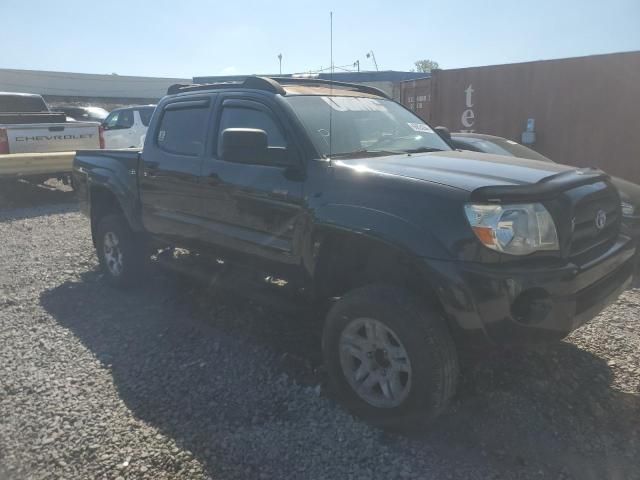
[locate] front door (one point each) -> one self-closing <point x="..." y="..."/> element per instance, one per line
<point x="171" y="163"/>
<point x="253" y="209"/>
<point x="118" y="129"/>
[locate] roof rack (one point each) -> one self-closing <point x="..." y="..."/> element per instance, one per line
<point x="272" y="84"/>
<point x="258" y="83"/>
<point x="321" y="81"/>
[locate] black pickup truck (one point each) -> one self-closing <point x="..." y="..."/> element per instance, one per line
<point x="418" y="250"/>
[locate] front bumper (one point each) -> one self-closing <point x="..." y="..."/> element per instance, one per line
<point x="514" y="305"/>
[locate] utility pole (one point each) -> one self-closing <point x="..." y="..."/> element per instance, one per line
<point x="373" y="56"/>
<point x="280" y="60"/>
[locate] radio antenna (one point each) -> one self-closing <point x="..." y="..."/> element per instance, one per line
<point x="331" y="86"/>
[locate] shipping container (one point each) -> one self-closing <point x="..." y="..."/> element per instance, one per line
<point x="579" y="111"/>
<point x="416" y="95"/>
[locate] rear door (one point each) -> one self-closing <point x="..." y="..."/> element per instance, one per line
<point x="252" y="209"/>
<point x="171" y="163"/>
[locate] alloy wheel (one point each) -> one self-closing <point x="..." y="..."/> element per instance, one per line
<point x="112" y="254"/>
<point x="375" y="363"/>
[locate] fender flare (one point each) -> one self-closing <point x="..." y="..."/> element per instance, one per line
<point x="420" y="248"/>
<point x="378" y="226"/>
<point x="126" y="197"/>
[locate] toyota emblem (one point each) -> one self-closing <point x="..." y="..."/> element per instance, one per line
<point x="601" y="219"/>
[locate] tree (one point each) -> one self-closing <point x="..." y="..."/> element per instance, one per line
<point x="426" y="65"/>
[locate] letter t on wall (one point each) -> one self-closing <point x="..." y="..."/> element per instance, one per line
<point x="469" y="91"/>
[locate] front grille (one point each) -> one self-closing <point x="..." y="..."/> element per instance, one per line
<point x="587" y="240"/>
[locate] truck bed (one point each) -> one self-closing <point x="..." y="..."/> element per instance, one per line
<point x="114" y="170"/>
<point x="123" y="163"/>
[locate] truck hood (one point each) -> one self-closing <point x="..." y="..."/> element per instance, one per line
<point x="464" y="170"/>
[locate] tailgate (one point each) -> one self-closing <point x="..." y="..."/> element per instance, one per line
<point x="53" y="137"/>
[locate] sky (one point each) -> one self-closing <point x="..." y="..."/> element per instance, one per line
<point x="186" y="38"/>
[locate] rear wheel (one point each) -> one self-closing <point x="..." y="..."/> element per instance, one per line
<point x="390" y="358"/>
<point x="120" y="253"/>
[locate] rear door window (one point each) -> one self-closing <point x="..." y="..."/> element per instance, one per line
<point x="182" y="131"/>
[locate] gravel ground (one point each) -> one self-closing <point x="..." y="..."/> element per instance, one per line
<point x="174" y="380"/>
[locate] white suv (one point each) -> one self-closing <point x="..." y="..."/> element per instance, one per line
<point x="126" y="127"/>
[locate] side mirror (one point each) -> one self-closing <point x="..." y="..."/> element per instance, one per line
<point x="443" y="132"/>
<point x="250" y="145"/>
<point x="244" y="145"/>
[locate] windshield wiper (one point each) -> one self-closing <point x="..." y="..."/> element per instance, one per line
<point x="364" y="151"/>
<point x="422" y="150"/>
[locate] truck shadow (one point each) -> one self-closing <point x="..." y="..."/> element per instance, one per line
<point x="20" y="194"/>
<point x="168" y="347"/>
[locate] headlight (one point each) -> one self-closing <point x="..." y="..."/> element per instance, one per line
<point x="628" y="210"/>
<point x="514" y="229"/>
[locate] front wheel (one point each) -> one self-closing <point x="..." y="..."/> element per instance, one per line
<point x="390" y="358"/>
<point x="119" y="251"/>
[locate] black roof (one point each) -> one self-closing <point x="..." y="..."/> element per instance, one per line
<point x="274" y="85"/>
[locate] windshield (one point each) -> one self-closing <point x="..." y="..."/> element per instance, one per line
<point x="97" y="113"/>
<point x="93" y="114"/>
<point x="362" y="125"/>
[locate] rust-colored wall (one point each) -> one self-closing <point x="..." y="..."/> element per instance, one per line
<point x="416" y="95"/>
<point x="586" y="110"/>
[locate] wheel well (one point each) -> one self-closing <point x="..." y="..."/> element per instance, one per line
<point x="347" y="261"/>
<point x="103" y="202"/>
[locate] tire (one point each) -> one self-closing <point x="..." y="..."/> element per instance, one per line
<point x="411" y="398"/>
<point x="120" y="253"/>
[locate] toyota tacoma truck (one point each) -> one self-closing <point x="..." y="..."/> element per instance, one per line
<point x="418" y="251"/>
<point x="37" y="143"/>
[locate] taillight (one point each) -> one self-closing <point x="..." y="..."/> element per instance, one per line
<point x="101" y="135"/>
<point x="4" y="141"/>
